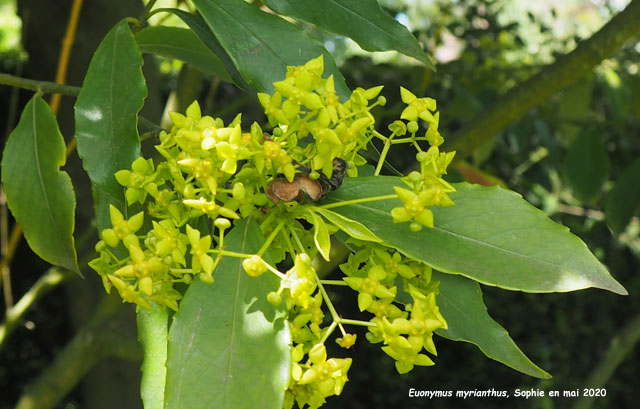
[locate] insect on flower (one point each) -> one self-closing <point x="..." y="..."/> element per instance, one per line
<point x="280" y="189"/>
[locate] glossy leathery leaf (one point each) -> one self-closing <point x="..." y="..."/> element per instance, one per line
<point x="40" y="195"/>
<point x="363" y="21"/>
<point x="460" y="302"/>
<point x="106" y="115"/>
<point x="228" y="347"/>
<point x="262" y="45"/>
<point x="491" y="235"/>
<point x="181" y="44"/>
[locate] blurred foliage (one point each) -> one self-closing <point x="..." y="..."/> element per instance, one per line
<point x="11" y="51"/>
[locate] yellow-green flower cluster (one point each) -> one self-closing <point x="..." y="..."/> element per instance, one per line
<point x="305" y="104"/>
<point x="427" y="187"/>
<point x="211" y="174"/>
<point x="373" y="272"/>
<point x="313" y="382"/>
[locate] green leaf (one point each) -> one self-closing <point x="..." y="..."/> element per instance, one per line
<point x="228" y="347"/>
<point x="491" y="235"/>
<point x="363" y="21"/>
<point x="349" y="226"/>
<point x="199" y="27"/>
<point x="106" y="115"/>
<point x="460" y="302"/>
<point x="623" y="201"/>
<point x="586" y="166"/>
<point x="181" y="44"/>
<point x="262" y="45"/>
<point x="320" y="235"/>
<point x="153" y="327"/>
<point x="39" y="195"/>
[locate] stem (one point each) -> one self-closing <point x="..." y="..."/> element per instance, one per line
<point x="14" y="239"/>
<point x="334" y="282"/>
<point x="579" y="211"/>
<point x="274" y="270"/>
<point x="357" y="322"/>
<point x="48" y="281"/>
<point x="410" y="139"/>
<point x="230" y="253"/>
<point x="356" y="201"/>
<point x="325" y="295"/>
<point x="329" y="331"/>
<point x="297" y="239"/>
<point x="266" y="221"/>
<point x="385" y="149"/>
<point x="45" y="87"/>
<point x="272" y="236"/>
<point x="287" y="239"/>
<point x="48" y="87"/>
<point x="181" y="270"/>
<point x="65" y="52"/>
<point x="383" y="155"/>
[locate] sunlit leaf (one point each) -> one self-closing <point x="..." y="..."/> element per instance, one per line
<point x="228" y="347"/>
<point x="491" y="235"/>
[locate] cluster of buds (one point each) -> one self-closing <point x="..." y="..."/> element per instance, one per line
<point x="212" y="173"/>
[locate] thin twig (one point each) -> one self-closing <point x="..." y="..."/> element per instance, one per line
<point x="579" y="211"/>
<point x="52" y="278"/>
<point x="45" y="87"/>
<point x="65" y="52"/>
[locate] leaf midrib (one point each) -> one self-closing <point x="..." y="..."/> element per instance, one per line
<point x="40" y="176"/>
<point x="475" y="241"/>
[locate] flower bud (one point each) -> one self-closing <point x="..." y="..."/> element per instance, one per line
<point x="254" y="266"/>
<point x="274" y="299"/>
<point x="222" y="223"/>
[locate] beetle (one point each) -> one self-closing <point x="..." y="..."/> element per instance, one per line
<point x="280" y="189"/>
